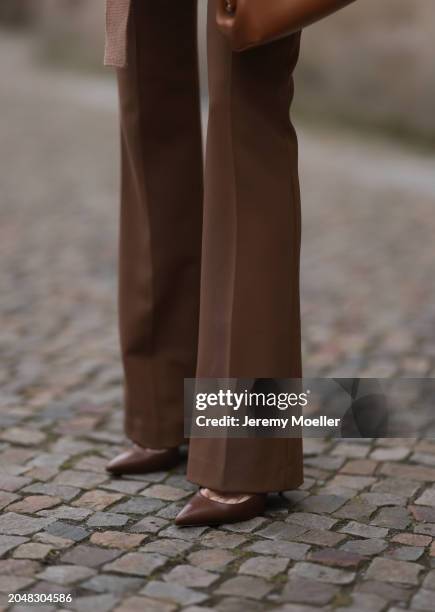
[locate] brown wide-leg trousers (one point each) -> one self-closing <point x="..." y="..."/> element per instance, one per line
<point x="209" y="269"/>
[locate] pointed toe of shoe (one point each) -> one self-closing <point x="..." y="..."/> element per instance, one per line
<point x="138" y="460"/>
<point x="202" y="511"/>
<point x="195" y="512"/>
<point x="117" y="464"/>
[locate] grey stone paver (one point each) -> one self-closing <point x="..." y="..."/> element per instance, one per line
<point x="137" y="564"/>
<point x="423" y="513"/>
<point x="192" y="535"/>
<point x="32" y="503"/>
<point x="367" y="547"/>
<point x="109" y="583"/>
<point x="322" y="503"/>
<point x="19" y="567"/>
<point x="359" y="533"/>
<point x="389" y="591"/>
<point x="212" y="559"/>
<point x="64" y="492"/>
<point x="321" y="537"/>
<point x="80" y="479"/>
<point x="174" y="593"/>
<point x="94" y="603"/>
<point x="139" y="604"/>
<point x="191" y="576"/>
<point x="247" y="526"/>
<point x="67" y="531"/>
<point x="339" y="558"/>
<point x="317" y="572"/>
<point x="89" y="556"/>
<point x="12" y="584"/>
<point x="282" y="531"/>
<point x="137" y="505"/>
<point x="107" y="519"/>
<point x="13" y="483"/>
<point x="394" y="571"/>
<point x="232" y="604"/>
<point x="12" y="523"/>
<point x="365" y="602"/>
<point x="149" y="524"/>
<point x="97" y="500"/>
<point x="67" y="513"/>
<point x="363" y="530"/>
<point x="394" y="518"/>
<point x="10" y="542"/>
<point x="66" y="574"/>
<point x="245" y="586"/>
<point x="117" y="539"/>
<point x="266" y="567"/>
<point x="291" y="550"/>
<point x="128" y="487"/>
<point x="32" y="550"/>
<point x="55" y="542"/>
<point x="383" y="499"/>
<point x="357" y="509"/>
<point x="311" y="521"/>
<point x="303" y="591"/>
<point x="412" y="539"/>
<point x="7" y="498"/>
<point x="427" y="498"/>
<point x="169" y="548"/>
<point x="405" y="553"/>
<point x="165" y="492"/>
<point x="423" y="600"/>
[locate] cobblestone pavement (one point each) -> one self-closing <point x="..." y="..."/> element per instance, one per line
<point x="358" y="535"/>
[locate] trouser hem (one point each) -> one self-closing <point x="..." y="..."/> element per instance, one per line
<point x="201" y="473"/>
<point x="139" y="433"/>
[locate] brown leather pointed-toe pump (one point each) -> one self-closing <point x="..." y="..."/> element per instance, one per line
<point x="138" y="460"/>
<point x="202" y="511"/>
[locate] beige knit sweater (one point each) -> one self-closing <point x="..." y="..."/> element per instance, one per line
<point x="117" y="13"/>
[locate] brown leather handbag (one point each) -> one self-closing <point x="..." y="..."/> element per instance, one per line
<point x="249" y="23"/>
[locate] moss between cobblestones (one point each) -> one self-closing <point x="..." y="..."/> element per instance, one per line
<point x="279" y="579"/>
<point x="51" y="558"/>
<point x="69" y="464"/>
<point x="341" y="600"/>
<point x="51" y="437"/>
